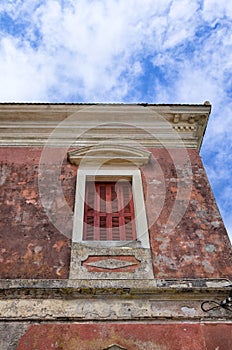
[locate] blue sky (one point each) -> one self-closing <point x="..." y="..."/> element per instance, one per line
<point x="155" y="51"/>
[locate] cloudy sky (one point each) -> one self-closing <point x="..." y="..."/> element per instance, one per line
<point x="155" y="51"/>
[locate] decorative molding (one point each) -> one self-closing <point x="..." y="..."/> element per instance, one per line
<point x="109" y="309"/>
<point x="140" y="269"/>
<point x="110" y="264"/>
<point x="114" y="347"/>
<point x="112" y="300"/>
<point x="119" y="263"/>
<point x="79" y="125"/>
<point x="60" y="288"/>
<point x="109" y="154"/>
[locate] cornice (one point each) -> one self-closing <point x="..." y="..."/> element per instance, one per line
<point x="79" y="287"/>
<point x="90" y="124"/>
<point x="113" y="300"/>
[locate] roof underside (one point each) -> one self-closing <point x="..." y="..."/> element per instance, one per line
<point x="86" y="124"/>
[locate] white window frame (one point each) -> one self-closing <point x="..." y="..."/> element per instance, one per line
<point x="111" y="172"/>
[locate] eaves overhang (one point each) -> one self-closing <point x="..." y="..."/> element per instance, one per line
<point x="79" y="125"/>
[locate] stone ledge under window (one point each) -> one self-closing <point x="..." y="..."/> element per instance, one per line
<point x="80" y="254"/>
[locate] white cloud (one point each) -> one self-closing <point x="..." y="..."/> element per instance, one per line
<point x="22" y="77"/>
<point x="182" y="22"/>
<point x="213" y="10"/>
<point x="94" y="43"/>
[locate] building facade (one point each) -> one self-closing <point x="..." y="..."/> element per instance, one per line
<point x="110" y="237"/>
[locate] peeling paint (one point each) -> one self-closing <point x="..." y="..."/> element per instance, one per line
<point x="198" y="246"/>
<point x="199" y="234"/>
<point x="188" y="311"/>
<point x="4" y="172"/>
<point x="129" y="336"/>
<point x="32" y="245"/>
<point x="207" y="266"/>
<point x="210" y="248"/>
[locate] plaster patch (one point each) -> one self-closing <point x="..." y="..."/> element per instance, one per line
<point x="207" y="266"/>
<point x="4" y="172"/>
<point x="155" y="182"/>
<point x="188" y="311"/>
<point x="210" y="248"/>
<point x="10" y="333"/>
<point x="215" y="224"/>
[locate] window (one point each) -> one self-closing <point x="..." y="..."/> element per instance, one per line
<point x="110" y="214"/>
<point x="99" y="215"/>
<point x="109" y="211"/>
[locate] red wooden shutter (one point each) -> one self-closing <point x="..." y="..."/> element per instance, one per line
<point x="109" y="212"/>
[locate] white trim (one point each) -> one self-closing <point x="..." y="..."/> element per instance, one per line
<point x="75" y="125"/>
<point x="110" y="153"/>
<point x="137" y="190"/>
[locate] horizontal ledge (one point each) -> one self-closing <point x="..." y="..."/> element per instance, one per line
<point x="60" y="288"/>
<point x="189" y="143"/>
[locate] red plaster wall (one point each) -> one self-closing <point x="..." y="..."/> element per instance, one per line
<point x="32" y="247"/>
<point x="198" y="246"/>
<point x="130" y="336"/>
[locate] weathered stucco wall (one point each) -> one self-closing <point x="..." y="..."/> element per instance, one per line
<point x="197" y="246"/>
<point x="31" y="247"/>
<point x="127" y="336"/>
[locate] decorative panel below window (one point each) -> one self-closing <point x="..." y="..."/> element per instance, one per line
<point x="109" y="211"/>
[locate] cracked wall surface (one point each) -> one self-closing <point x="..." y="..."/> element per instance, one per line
<point x="32" y="247"/>
<point x="128" y="336"/>
<point x="198" y="246"/>
<point x="30" y="244"/>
